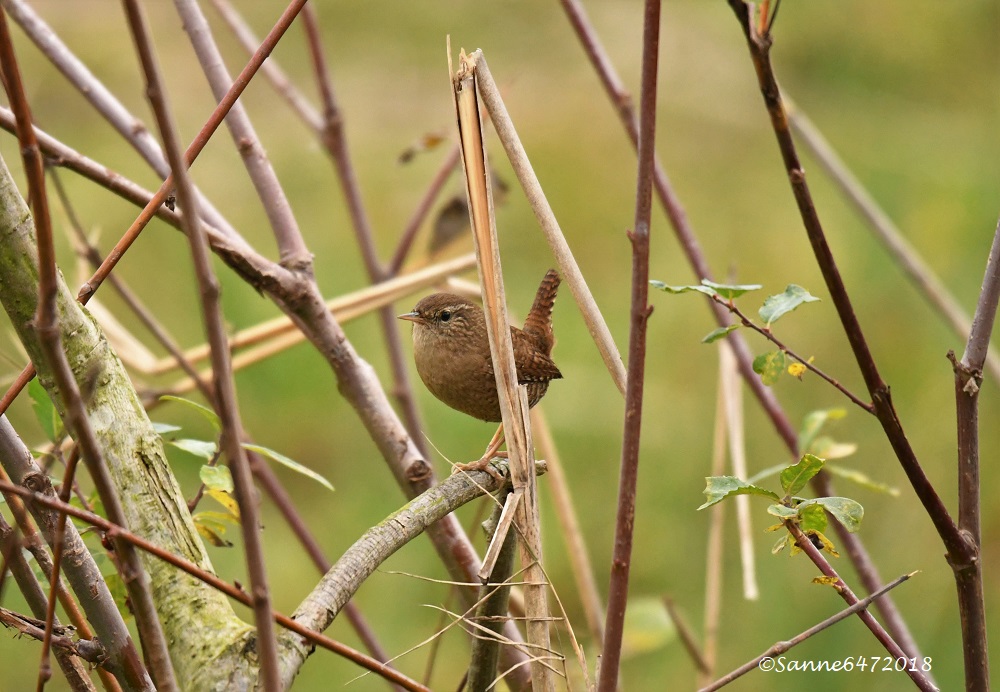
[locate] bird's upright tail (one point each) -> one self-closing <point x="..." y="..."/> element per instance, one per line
<point x="538" y="324"/>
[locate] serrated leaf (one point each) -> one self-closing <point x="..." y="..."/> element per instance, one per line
<point x="164" y="428"/>
<point x="718" y="488"/>
<point x="226" y="500"/>
<point x="780" y="304"/>
<point x="208" y="413"/>
<point x="647" y="627"/>
<point x="814" y="422"/>
<point x="730" y="291"/>
<point x="204" y="449"/>
<point x="863" y="480"/>
<point x="769" y="366"/>
<point x="290" y="463"/>
<point x="216" y="478"/>
<point x="719" y="333"/>
<point x="795" y="477"/>
<point x="845" y="510"/>
<point x="45" y="411"/>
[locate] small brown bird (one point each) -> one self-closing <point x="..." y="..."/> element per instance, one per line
<point x="452" y="352"/>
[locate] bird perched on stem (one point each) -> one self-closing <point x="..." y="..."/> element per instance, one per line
<point x="452" y="353"/>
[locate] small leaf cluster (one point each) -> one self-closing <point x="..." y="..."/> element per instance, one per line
<point x="218" y="481"/>
<point x="809" y="514"/>
<point x="768" y="365"/>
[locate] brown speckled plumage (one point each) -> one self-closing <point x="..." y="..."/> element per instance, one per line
<point x="452" y="350"/>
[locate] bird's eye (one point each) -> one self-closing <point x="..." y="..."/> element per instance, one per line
<point x="445" y="315"/>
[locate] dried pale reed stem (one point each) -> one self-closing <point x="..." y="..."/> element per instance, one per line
<point x="513" y="399"/>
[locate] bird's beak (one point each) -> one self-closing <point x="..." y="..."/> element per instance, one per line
<point x="411" y="317"/>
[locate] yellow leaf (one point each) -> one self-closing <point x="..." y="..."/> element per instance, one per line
<point x="224" y="499"/>
<point x="797" y="370"/>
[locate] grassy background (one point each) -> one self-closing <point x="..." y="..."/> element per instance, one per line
<point x="907" y="92"/>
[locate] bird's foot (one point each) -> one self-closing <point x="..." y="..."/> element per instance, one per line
<point x="482" y="465"/>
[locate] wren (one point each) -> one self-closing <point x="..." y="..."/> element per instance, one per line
<point x="452" y="351"/>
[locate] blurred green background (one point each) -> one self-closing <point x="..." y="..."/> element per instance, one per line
<point x="907" y="92"/>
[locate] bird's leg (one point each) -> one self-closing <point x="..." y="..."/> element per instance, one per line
<point x="483" y="464"/>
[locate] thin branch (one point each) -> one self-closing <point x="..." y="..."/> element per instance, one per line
<point x="423" y="208"/>
<point x="339" y="584"/>
<point x="81" y="571"/>
<point x="968" y="380"/>
<point x="153" y="206"/>
<point x="769" y="335"/>
<point x="640" y="311"/>
<point x="330" y="130"/>
<point x="309" y="635"/>
<point x="294" y="253"/>
<point x="50" y="339"/>
<point x="13" y="559"/>
<point x="225" y="400"/>
<point x="909" y="260"/>
<point x="90" y="252"/>
<point x="780" y="648"/>
<point x="919" y="677"/>
<point x="131" y="129"/>
<point x="687" y="636"/>
<point x="492" y="609"/>
<point x="959" y="548"/>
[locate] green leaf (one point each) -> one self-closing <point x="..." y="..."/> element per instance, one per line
<point x="795" y="477"/>
<point x="719" y="333"/>
<point x="718" y="488"/>
<point x="863" y="479"/>
<point x="782" y="512"/>
<point x="782" y="303"/>
<point x="845" y="510"/>
<point x="681" y="289"/>
<point x="203" y="410"/>
<point x="290" y="463"/>
<point x="814" y="422"/>
<point x="828" y="448"/>
<point x="205" y="449"/>
<point x="812" y="517"/>
<point x="780" y="545"/>
<point x="165" y="428"/>
<point x="730" y="291"/>
<point x="769" y="366"/>
<point x="45" y="411"/>
<point x="216" y="478"/>
<point x="647" y="627"/>
<point x="709" y="288"/>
